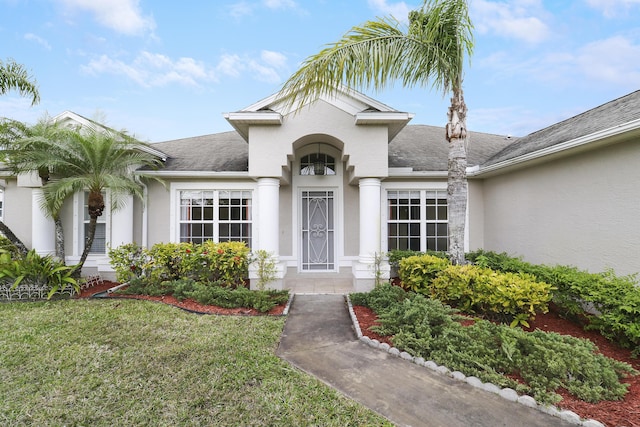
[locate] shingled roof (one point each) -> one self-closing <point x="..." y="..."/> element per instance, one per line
<point x="420" y="147"/>
<point x="614" y="113"/>
<point x="425" y="148"/>
<point x="220" y="152"/>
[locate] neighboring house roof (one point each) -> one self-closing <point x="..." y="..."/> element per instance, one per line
<point x="605" y="120"/>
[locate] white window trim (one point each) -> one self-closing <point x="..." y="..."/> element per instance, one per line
<point x="405" y="186"/>
<point x="176" y="187"/>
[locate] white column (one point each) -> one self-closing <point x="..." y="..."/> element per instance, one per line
<point x="43" y="229"/>
<point x="369" y="220"/>
<point x="268" y="216"/>
<point x="122" y="224"/>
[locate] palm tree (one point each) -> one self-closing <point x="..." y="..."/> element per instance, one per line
<point x="429" y="52"/>
<point x="97" y="162"/>
<point x="29" y="148"/>
<point x="14" y="76"/>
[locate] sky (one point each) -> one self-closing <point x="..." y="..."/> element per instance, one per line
<point x="165" y="70"/>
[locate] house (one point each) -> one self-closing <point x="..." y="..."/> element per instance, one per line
<point x="330" y="187"/>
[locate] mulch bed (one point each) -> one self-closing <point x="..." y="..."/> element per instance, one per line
<point x="625" y="412"/>
<point x="187" y="304"/>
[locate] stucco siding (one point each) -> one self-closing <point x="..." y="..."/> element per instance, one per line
<point x="158" y="211"/>
<point x="582" y="210"/>
<point x="475" y="224"/>
<point x="17" y="211"/>
<point x="286" y="230"/>
<point x="351" y="219"/>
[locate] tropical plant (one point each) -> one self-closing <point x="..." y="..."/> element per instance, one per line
<point x="266" y="267"/>
<point x="29" y="148"/>
<point x="96" y="161"/>
<point x="14" y="76"/>
<point x="429" y="52"/>
<point x="42" y="271"/>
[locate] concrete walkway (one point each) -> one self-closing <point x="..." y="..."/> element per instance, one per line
<point x="318" y="338"/>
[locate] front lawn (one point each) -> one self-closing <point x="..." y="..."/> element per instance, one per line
<point x="122" y="362"/>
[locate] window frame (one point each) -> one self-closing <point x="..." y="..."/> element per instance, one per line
<point x="426" y="239"/>
<point x="216" y="189"/>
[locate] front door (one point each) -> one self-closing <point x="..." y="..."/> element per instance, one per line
<point x="318" y="230"/>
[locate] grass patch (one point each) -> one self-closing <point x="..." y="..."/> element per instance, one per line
<point x="120" y="362"/>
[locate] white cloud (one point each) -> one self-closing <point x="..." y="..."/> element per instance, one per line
<point x="37" y="39"/>
<point x="280" y="4"/>
<point x="267" y="69"/>
<point x="398" y="10"/>
<point x="521" y="19"/>
<point x="238" y="10"/>
<point x="613" y="60"/>
<point x="123" y="16"/>
<point x="613" y="8"/>
<point x="152" y="69"/>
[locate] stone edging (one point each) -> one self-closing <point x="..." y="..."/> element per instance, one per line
<point x="506" y="393"/>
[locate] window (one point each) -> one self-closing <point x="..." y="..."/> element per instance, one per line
<point x="417" y="220"/>
<point x="221" y="216"/>
<point x="1" y="205"/>
<point x="308" y="162"/>
<point x="99" y="245"/>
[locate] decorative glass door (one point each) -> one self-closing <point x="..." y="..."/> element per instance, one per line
<point x="318" y="246"/>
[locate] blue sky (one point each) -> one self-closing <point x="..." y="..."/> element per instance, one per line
<point x="165" y="69"/>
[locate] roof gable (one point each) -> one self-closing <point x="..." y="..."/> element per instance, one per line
<point x="365" y="110"/>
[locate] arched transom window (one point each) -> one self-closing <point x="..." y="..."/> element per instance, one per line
<point x="317" y="164"/>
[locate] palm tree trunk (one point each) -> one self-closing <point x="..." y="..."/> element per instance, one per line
<point x="59" y="240"/>
<point x="13" y="238"/>
<point x="457" y="176"/>
<point x="91" y="233"/>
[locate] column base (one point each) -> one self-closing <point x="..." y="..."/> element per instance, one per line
<point x="277" y="282"/>
<point x="365" y="276"/>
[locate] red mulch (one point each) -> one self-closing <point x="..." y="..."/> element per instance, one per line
<point x="187" y="304"/>
<point x="612" y="413"/>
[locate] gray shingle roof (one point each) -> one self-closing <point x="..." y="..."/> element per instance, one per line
<point x="220" y="152"/>
<point x="613" y="113"/>
<point x="420" y="147"/>
<point x="424" y="148"/>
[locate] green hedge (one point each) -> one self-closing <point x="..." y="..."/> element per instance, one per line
<point x="226" y="262"/>
<point x="507" y="297"/>
<point x="611" y="303"/>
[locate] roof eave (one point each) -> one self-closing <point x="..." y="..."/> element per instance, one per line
<point x="242" y="120"/>
<point x="591" y="141"/>
<point x="395" y="120"/>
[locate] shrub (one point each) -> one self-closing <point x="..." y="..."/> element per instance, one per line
<point x="225" y="262"/>
<point x="506" y="297"/>
<point x="417" y="272"/>
<point x="546" y="362"/>
<point x="611" y="303"/>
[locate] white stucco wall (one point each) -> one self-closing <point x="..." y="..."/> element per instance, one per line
<point x="17" y="211"/>
<point x="158" y="210"/>
<point x="582" y="210"/>
<point x="365" y="146"/>
<point x="475" y="207"/>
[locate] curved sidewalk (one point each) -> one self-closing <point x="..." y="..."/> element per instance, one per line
<point x="318" y="338"/>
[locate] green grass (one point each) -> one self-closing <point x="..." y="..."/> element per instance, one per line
<point x="120" y="362"/>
